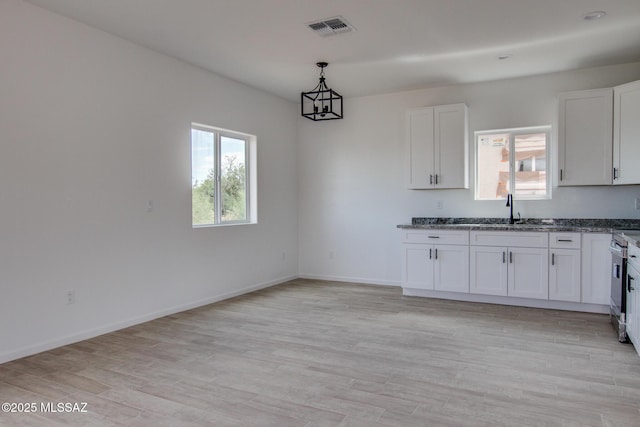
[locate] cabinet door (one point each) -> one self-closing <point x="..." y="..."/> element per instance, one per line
<point x="417" y="267"/>
<point x="596" y="268"/>
<point x="564" y="275"/>
<point x="585" y="137"/>
<point x="451" y="146"/>
<point x="626" y="134"/>
<point x="633" y="289"/>
<point x="451" y="268"/>
<point x="420" y="143"/>
<point x="488" y="270"/>
<point x="528" y="273"/>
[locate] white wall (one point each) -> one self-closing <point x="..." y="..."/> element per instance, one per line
<point x="91" y="128"/>
<point x="351" y="184"/>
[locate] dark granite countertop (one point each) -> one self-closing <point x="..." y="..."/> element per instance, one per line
<point x="581" y="225"/>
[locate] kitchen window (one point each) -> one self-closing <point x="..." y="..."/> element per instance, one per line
<point x="222" y="177"/>
<point x="513" y="161"/>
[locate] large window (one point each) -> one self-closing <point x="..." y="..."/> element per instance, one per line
<point x="221" y="177"/>
<point x="513" y="161"/>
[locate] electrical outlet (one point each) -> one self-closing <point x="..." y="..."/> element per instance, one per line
<point x="331" y="254"/>
<point x="71" y="297"/>
<point x="638" y="203"/>
<point x="439" y="204"/>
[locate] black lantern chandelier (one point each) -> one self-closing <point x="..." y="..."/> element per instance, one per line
<point x="322" y="103"/>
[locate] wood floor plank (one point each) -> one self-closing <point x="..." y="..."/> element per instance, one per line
<point x="318" y="354"/>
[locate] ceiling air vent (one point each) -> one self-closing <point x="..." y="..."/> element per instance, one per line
<point x="331" y="26"/>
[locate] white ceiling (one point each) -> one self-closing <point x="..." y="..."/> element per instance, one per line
<point x="397" y="45"/>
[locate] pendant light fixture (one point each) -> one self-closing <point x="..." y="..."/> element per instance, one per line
<point x="321" y="103"/>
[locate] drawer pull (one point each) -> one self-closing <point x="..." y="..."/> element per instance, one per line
<point x="565" y="240"/>
<point x="434" y="237"/>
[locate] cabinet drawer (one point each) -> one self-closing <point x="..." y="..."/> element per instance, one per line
<point x="437" y="236"/>
<point x="535" y="239"/>
<point x="634" y="256"/>
<point x="564" y="240"/>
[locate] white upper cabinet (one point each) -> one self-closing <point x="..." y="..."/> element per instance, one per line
<point x="626" y="134"/>
<point x="585" y="149"/>
<point x="438" y="147"/>
<point x="420" y="142"/>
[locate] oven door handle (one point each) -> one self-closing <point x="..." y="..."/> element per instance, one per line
<point x="617" y="250"/>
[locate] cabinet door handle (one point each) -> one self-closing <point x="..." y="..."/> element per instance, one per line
<point x="430" y="253"/>
<point x="436" y="179"/>
<point x="629" y="280"/>
<point x="615" y="173"/>
<point x="553" y="259"/>
<point x="632" y="256"/>
<point x="436" y="253"/>
<point x="430" y="178"/>
<point x="510" y="257"/>
<point x="504" y="257"/>
<point x="560" y="174"/>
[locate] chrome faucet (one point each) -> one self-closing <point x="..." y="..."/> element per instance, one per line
<point x="510" y="206"/>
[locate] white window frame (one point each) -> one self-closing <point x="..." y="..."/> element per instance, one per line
<point x="250" y="153"/>
<point x="513" y="132"/>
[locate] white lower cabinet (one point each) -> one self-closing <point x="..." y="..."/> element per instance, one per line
<point x="596" y="268"/>
<point x="504" y="271"/>
<point x="508" y="263"/>
<point x="633" y="296"/>
<point x="488" y="270"/>
<point x="417" y="268"/>
<point x="564" y="275"/>
<point x="564" y="266"/>
<point x="633" y="315"/>
<point x="436" y="260"/>
<point x="451" y="268"/>
<point x="528" y="273"/>
<point x="436" y="267"/>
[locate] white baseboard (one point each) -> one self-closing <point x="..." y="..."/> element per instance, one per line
<point x="349" y="279"/>
<point x="92" y="333"/>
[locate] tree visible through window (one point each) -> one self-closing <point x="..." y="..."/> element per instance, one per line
<point x="512" y="161"/>
<point x="219" y="177"/>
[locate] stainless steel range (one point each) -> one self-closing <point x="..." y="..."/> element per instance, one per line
<point x="618" y="249"/>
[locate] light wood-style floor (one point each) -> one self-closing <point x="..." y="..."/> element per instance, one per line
<point x="311" y="353"/>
